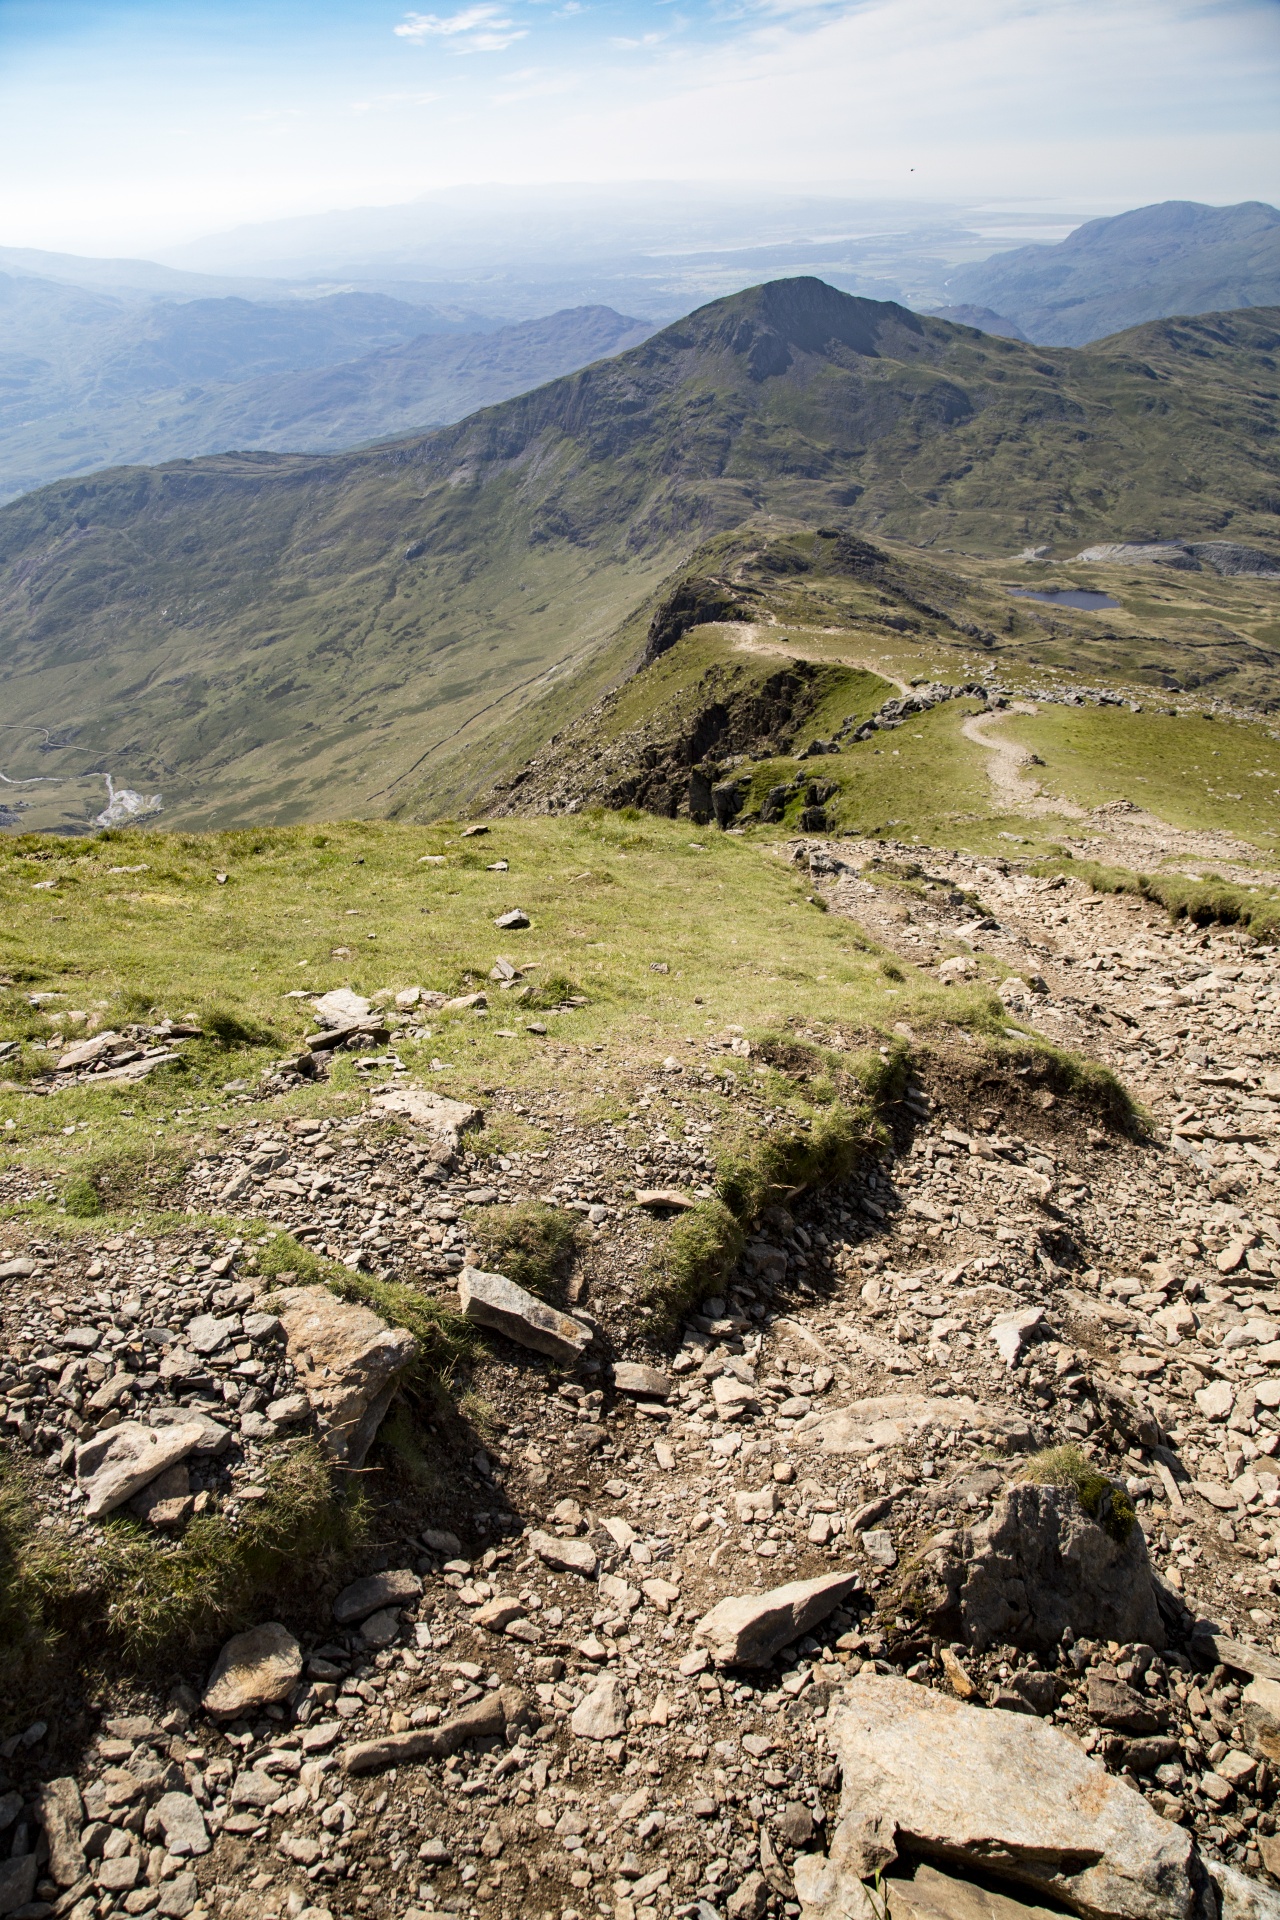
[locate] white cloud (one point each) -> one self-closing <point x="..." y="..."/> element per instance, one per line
<point x="479" y="29"/>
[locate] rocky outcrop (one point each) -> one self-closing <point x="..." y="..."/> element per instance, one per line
<point x="1039" y="1566"/>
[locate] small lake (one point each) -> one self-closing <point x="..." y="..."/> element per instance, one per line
<point x="1066" y="597"/>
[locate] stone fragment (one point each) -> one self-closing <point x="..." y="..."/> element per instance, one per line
<point x="664" y="1200"/>
<point x="112" y="1467"/>
<point x="602" y="1714"/>
<point x="253" y="1669"/>
<point x="1040" y="1564"/>
<point x="60" y="1811"/>
<point x="1216" y="1400"/>
<point x="120" y="1874"/>
<point x="483" y="1719"/>
<point x="178" y="1896"/>
<point x="341" y="1006"/>
<point x="167" y="1501"/>
<point x="647" y="1383"/>
<point x="349" y="1364"/>
<point x="508" y="922"/>
<point x="926" y="1774"/>
<point x="1240" y="1896"/>
<point x="750" y="1899"/>
<point x="206" y="1333"/>
<point x="1012" y="1332"/>
<point x="1261" y="1704"/>
<point x="1113" y="1703"/>
<point x="564" y="1556"/>
<point x="494" y="1615"/>
<point x="491" y="1300"/>
<point x="182" y="1824"/>
<point x="931" y="1894"/>
<point x="398" y="1588"/>
<point x="17" y="1882"/>
<point x="381" y="1629"/>
<point x="746" y="1630"/>
<point x="252" y="1788"/>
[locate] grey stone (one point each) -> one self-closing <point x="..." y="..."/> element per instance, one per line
<point x="214" y="1437"/>
<point x="178" y="1896"/>
<point x="182" y="1824"/>
<point x="647" y="1383"/>
<point x="926" y="1774"/>
<point x="349" y="1363"/>
<point x="516" y="918"/>
<point x="20" y="1269"/>
<point x="119" y="1875"/>
<point x="445" y="1118"/>
<point x="748" y="1629"/>
<point x="60" y="1811"/>
<point x="602" y="1713"/>
<point x="1113" y="1703"/>
<point x="564" y="1556"/>
<point x="1243" y="1898"/>
<point x="749" y="1900"/>
<point x="491" y="1300"/>
<point x="112" y="1467"/>
<point x="1261" y="1703"/>
<point x="1040" y="1564"/>
<point x="167" y="1501"/>
<point x="17" y="1882"/>
<point x="253" y="1789"/>
<point x="341" y="1007"/>
<point x="1013" y="1332"/>
<point x="397" y="1588"/>
<point x="205" y="1334"/>
<point x="890" y="1420"/>
<point x="381" y="1628"/>
<point x="253" y="1669"/>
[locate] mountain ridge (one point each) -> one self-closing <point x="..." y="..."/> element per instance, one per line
<point x="271" y="636"/>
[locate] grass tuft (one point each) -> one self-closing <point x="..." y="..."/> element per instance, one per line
<point x="1099" y="1497"/>
<point x="534" y="1245"/>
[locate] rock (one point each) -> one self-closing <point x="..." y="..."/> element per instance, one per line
<point x="877" y="1544"/>
<point x="664" y="1200"/>
<point x="288" y="1409"/>
<point x="167" y="1501"/>
<point x="177" y="1896"/>
<point x="214" y="1437"/>
<point x="205" y="1334"/>
<point x="1261" y="1704"/>
<point x="1112" y="1703"/>
<point x="491" y="1300"/>
<point x="445" y="1118"/>
<point x="1216" y="1400"/>
<point x="732" y="1396"/>
<point x="1012" y="1332"/>
<point x="483" y="1719"/>
<point x="931" y="1894"/>
<point x="119" y="1875"/>
<point x="1040" y="1564"/>
<point x="369" y="1032"/>
<point x="182" y="1824"/>
<point x="253" y="1789"/>
<point x="112" y="1467"/>
<point x="17" y="1882"/>
<point x="20" y="1269"/>
<point x="398" y="1588"/>
<point x="60" y="1811"/>
<point x="349" y="1364"/>
<point x="564" y="1556"/>
<point x="381" y="1629"/>
<point x="437" y="1540"/>
<point x="750" y="1899"/>
<point x="602" y="1715"/>
<point x="890" y="1420"/>
<point x="647" y="1383"/>
<point x="494" y="1615"/>
<point x="507" y="922"/>
<point x="1241" y="1897"/>
<point x="924" y="1772"/>
<point x="253" y="1669"/>
<point x="794" y="1825"/>
<point x="340" y="1007"/>
<point x="748" y="1629"/>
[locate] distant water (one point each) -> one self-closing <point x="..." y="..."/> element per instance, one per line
<point x="1067" y="597"/>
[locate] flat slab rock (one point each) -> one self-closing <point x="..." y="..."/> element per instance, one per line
<point x="746" y="1630"/>
<point x="491" y="1300"/>
<point x="890" y="1420"/>
<point x="444" y="1117"/>
<point x="349" y="1364"/>
<point x="398" y="1588"/>
<point x="253" y="1669"/>
<point x="114" y="1466"/>
<point x="645" y="1383"/>
<point x="925" y="1775"/>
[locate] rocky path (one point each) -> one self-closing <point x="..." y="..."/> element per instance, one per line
<point x="1005" y="766"/>
<point x="533" y="1697"/>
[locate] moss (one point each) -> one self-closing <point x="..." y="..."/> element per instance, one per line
<point x="1099" y="1496"/>
<point x="533" y="1245"/>
<point x="692" y="1260"/>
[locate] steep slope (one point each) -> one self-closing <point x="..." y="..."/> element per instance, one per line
<point x="280" y="637"/>
<point x="1175" y="258"/>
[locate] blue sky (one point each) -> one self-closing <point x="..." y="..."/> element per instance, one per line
<point x="129" y="127"/>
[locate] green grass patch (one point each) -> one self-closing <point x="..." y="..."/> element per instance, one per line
<point x="1098" y="1495"/>
<point x="532" y="1244"/>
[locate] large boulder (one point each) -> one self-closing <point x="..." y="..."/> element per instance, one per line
<point x="1003" y="1793"/>
<point x="349" y="1364"/>
<point x="1039" y="1565"/>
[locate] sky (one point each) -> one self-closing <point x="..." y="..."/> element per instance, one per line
<point x="126" y="128"/>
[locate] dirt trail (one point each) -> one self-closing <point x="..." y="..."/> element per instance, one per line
<point x="1005" y="763"/>
<point x="748" y="640"/>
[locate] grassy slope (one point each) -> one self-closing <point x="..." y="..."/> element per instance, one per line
<point x="245" y="634"/>
<point x="608" y="897"/>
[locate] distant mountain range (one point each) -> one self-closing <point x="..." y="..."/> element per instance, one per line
<point x="92" y="379"/>
<point x="283" y="636"/>
<point x="1177" y="257"/>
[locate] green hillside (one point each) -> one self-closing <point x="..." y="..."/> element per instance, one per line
<point x="288" y="637"/>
